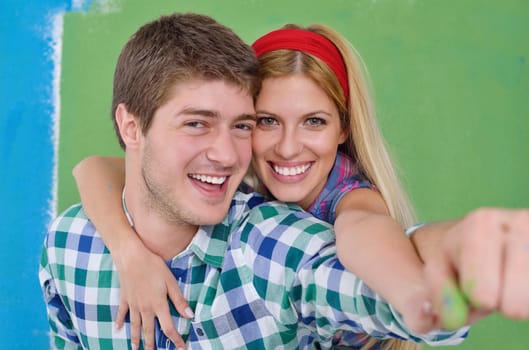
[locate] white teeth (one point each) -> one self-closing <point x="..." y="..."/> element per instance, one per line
<point x="291" y="171"/>
<point x="216" y="180"/>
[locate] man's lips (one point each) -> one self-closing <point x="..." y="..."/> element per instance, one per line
<point x="209" y="179"/>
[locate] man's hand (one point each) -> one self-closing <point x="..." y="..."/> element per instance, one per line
<point x="481" y="265"/>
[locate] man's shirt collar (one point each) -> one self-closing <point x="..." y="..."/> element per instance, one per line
<point x="208" y="244"/>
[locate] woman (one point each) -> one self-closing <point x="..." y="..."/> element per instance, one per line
<point x="317" y="145"/>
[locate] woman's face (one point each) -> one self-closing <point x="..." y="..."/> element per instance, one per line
<point x="296" y="139"/>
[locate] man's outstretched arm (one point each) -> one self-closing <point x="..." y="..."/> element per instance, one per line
<point x="477" y="265"/>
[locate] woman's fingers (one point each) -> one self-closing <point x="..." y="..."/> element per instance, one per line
<point x="135" y="329"/>
<point x="168" y="327"/>
<point x="121" y="315"/>
<point x="178" y="300"/>
<point x="147" y="319"/>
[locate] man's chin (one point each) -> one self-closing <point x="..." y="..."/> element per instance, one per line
<point x="210" y="221"/>
<point x="208" y="211"/>
<point x="213" y="215"/>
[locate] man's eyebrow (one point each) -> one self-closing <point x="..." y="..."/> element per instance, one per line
<point x="201" y="112"/>
<point x="214" y="114"/>
<point x="246" y="116"/>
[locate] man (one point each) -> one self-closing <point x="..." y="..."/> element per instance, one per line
<point x="256" y="275"/>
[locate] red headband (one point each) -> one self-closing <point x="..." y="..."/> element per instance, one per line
<point x="306" y="41"/>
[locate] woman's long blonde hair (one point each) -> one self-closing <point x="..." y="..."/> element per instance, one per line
<point x="365" y="144"/>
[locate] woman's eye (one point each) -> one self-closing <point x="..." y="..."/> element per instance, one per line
<point x="266" y="121"/>
<point x="315" y="121"/>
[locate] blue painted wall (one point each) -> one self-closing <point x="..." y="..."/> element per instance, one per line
<point x="27" y="157"/>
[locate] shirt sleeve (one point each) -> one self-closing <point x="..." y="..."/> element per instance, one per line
<point x="296" y="249"/>
<point x="339" y="301"/>
<point x="62" y="332"/>
<point x="325" y="205"/>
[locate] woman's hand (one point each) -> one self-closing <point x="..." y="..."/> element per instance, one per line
<point x="146" y="281"/>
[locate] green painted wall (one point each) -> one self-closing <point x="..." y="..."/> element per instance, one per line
<point x="450" y="78"/>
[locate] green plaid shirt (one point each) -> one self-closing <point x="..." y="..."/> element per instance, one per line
<point x="266" y="278"/>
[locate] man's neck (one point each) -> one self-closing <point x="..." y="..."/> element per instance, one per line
<point x="161" y="237"/>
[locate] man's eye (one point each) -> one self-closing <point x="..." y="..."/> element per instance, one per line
<point x="244" y="126"/>
<point x="195" y="124"/>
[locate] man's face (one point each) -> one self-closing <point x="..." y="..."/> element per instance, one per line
<point x="197" y="151"/>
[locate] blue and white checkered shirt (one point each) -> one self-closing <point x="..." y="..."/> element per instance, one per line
<point x="266" y="278"/>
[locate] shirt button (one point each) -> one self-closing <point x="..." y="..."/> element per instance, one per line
<point x="200" y="332"/>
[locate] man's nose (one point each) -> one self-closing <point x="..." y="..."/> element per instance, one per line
<point x="223" y="149"/>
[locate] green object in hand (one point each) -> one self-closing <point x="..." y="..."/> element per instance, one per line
<point x="454" y="311"/>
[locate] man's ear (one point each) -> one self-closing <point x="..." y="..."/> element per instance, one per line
<point x="128" y="125"/>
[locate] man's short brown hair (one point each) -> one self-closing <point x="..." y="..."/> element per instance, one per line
<point x="174" y="49"/>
